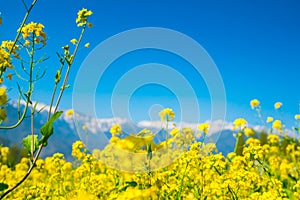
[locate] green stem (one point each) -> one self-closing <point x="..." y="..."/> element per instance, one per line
<point x="26" y="175"/>
<point x="1" y="72"/>
<point x="53" y="94"/>
<point x="20" y="29"/>
<point x="182" y="181"/>
<point x="238" y="149"/>
<point x="32" y="133"/>
<point x="68" y="70"/>
<point x="269" y="175"/>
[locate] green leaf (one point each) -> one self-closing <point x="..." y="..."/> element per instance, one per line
<point x="27" y="143"/>
<point x="131" y="183"/>
<point x="297" y="129"/>
<point x="3" y="186"/>
<point x="47" y="129"/>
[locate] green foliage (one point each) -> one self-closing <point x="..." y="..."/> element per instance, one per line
<point x="28" y="143"/>
<point x="240" y="142"/>
<point x="47" y="129"/>
<point x="3" y="186"/>
<point x="263" y="136"/>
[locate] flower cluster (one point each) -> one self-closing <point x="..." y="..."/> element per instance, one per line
<point x="263" y="171"/>
<point x="239" y="123"/>
<point x="82" y="17"/>
<point x="33" y="32"/>
<point x="3" y="101"/>
<point x="6" y="50"/>
<point x="115" y="129"/>
<point x="167" y="114"/>
<point x="254" y="103"/>
<point x="265" y="166"/>
<point x="204" y="127"/>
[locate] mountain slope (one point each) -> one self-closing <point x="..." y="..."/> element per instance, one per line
<point x="66" y="133"/>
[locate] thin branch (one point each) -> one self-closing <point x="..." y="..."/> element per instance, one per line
<point x="68" y="70"/>
<point x="25" y="5"/>
<point x="26" y="175"/>
<point x="32" y="132"/>
<point x="1" y="72"/>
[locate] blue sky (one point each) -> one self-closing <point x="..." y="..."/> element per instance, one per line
<point x="255" y="45"/>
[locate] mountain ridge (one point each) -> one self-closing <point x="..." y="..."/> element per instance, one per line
<point x="66" y="132"/>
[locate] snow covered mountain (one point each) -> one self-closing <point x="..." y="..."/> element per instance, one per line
<point x="96" y="131"/>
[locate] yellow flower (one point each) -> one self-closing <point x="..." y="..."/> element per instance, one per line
<point x="204" y="127"/>
<point x="115" y="129"/>
<point x="167" y="114"/>
<point x="277" y="125"/>
<point x="87" y="45"/>
<point x="3" y="96"/>
<point x="27" y="43"/>
<point x="66" y="49"/>
<point x="3" y="114"/>
<point x="82" y="16"/>
<point x="277" y="105"/>
<point x="273" y="139"/>
<point x="270" y="119"/>
<point x="4" y="151"/>
<point x="174" y="132"/>
<point x="35" y="29"/>
<point x="249" y="131"/>
<point x="8" y="46"/>
<point x="239" y="123"/>
<point x="254" y="103"/>
<point x="297" y="116"/>
<point x="84" y="127"/>
<point x="70" y="113"/>
<point x="73" y="41"/>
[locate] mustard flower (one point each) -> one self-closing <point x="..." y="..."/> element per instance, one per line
<point x="167" y="114"/>
<point x="3" y="114"/>
<point x="277" y="105"/>
<point x="273" y="139"/>
<point x="36" y="29"/>
<point x="249" y="131"/>
<point x="9" y="46"/>
<point x="87" y="45"/>
<point x="270" y="119"/>
<point x="66" y="49"/>
<point x="82" y="16"/>
<point x="277" y="125"/>
<point x="84" y="127"/>
<point x="115" y="129"/>
<point x="204" y="127"/>
<point x="5" y="57"/>
<point x="27" y="43"/>
<point x="70" y="113"/>
<point x="73" y="41"/>
<point x="174" y="132"/>
<point x="254" y="103"/>
<point x="239" y="123"/>
<point x="3" y="96"/>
